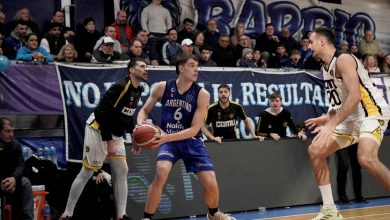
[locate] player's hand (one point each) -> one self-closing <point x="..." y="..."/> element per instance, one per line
<point x="275" y="136"/>
<point x="315" y="122"/>
<point x="135" y="149"/>
<point x="111" y="148"/>
<point x="218" y="139"/>
<point x="324" y="135"/>
<point x="99" y="178"/>
<point x="260" y="138"/>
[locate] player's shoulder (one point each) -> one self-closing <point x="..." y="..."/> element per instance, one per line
<point x="234" y="104"/>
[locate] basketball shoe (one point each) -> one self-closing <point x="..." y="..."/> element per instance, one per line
<point x="218" y="216"/>
<point x="328" y="212"/>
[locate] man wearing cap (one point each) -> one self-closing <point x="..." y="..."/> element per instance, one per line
<point x="186" y="46"/>
<point x="107" y="53"/>
<point x="170" y="48"/>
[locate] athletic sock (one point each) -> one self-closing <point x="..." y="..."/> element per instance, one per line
<point x="326" y="193"/>
<point x="212" y="211"/>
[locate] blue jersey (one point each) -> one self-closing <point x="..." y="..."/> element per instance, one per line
<point x="177" y="110"/>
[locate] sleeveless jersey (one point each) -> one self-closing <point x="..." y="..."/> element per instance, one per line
<point x="372" y="104"/>
<point x="177" y="110"/>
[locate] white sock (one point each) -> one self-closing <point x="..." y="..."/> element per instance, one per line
<point x="76" y="189"/>
<point x="326" y="193"/>
<point x="119" y="172"/>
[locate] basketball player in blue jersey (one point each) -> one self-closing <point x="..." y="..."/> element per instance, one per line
<point x="183" y="107"/>
<point x="103" y="137"/>
<point x="357" y="114"/>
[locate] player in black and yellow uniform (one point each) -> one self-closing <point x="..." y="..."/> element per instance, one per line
<point x="274" y="121"/>
<point x="223" y="115"/>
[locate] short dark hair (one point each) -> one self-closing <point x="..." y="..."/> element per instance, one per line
<point x="189" y="20"/>
<point x="224" y="86"/>
<point x="133" y="62"/>
<point x="182" y="59"/>
<point x="4" y="121"/>
<point x="204" y="47"/>
<point x="270" y="24"/>
<point x="275" y="95"/>
<point x="327" y="33"/>
<point x="170" y="29"/>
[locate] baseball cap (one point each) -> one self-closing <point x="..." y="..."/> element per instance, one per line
<point x="108" y="40"/>
<point x="187" y="42"/>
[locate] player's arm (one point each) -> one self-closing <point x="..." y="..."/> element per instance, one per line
<point x="154" y="97"/>
<point x="248" y="124"/>
<point x="197" y="120"/>
<point x="346" y="68"/>
<point x="209" y="135"/>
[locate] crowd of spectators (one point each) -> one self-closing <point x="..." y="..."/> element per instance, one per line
<point x="161" y="42"/>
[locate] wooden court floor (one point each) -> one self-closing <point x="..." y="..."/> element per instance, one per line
<point x="368" y="213"/>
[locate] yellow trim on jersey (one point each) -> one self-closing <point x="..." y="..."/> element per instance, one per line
<point x="376" y="134"/>
<point x="369" y="105"/>
<point x="87" y="165"/>
<point x="95" y="124"/>
<point x="349" y="137"/>
<point x="123" y="93"/>
<point x="117" y="157"/>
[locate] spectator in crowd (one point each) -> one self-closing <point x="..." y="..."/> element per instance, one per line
<point x="247" y="59"/>
<point x="267" y="42"/>
<point x="239" y="30"/>
<point x="287" y="40"/>
<point x="257" y="58"/>
<point x="124" y="33"/>
<point x="305" y="50"/>
<point x="186" y="47"/>
<point x="67" y="54"/>
<point x="273" y="121"/>
<point x="244" y="41"/>
<point x="371" y="64"/>
<point x="354" y="49"/>
<point x="156" y="26"/>
<point x="14" y="185"/>
<point x="170" y="48"/>
<point x="224" y="55"/>
<point x="368" y="45"/>
<point x="58" y="16"/>
<point x="280" y="58"/>
<point x="1" y="44"/>
<point x="182" y="142"/>
<point x="312" y="63"/>
<point x="25" y="16"/>
<point x="15" y="40"/>
<point x="87" y="39"/>
<point x="386" y="64"/>
<point x="345" y="157"/>
<point x="344" y="47"/>
<point x="223" y="115"/>
<point x="104" y="133"/>
<point x="198" y="42"/>
<point x="107" y="54"/>
<point x="53" y="41"/>
<point x="109" y="31"/>
<point x="32" y="52"/>
<point x="187" y="30"/>
<point x="205" y="57"/>
<point x="2" y="20"/>
<point x="135" y="51"/>
<point x="294" y="61"/>
<point x="211" y="34"/>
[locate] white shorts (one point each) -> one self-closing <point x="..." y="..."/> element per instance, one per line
<point x="95" y="149"/>
<point x="349" y="132"/>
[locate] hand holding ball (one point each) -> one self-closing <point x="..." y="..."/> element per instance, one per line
<point x="144" y="135"/>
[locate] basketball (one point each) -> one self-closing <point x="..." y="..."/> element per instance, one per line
<point x="144" y="135"/>
<point x="4" y="63"/>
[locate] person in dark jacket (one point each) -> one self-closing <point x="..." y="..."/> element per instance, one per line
<point x="107" y="54"/>
<point x="103" y="138"/>
<point x="14" y="185"/>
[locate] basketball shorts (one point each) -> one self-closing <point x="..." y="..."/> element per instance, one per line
<point x="192" y="151"/>
<point x="349" y="132"/>
<point x="95" y="149"/>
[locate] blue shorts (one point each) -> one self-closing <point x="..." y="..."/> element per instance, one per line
<point x="192" y="151"/>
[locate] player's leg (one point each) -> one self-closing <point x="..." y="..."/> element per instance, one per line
<point x="95" y="151"/>
<point x="163" y="168"/>
<point x="371" y="135"/>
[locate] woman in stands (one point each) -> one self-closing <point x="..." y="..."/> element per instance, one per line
<point x="32" y="52"/>
<point x="67" y="53"/>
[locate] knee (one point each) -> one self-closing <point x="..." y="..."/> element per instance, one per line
<point x="25" y="183"/>
<point x="314" y="152"/>
<point x="367" y="161"/>
<point x="161" y="176"/>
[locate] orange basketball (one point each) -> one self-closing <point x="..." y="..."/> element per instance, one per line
<point x="144" y="135"/>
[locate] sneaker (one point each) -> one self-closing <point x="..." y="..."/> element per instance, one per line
<point x="125" y="217"/>
<point x="218" y="216"/>
<point x="328" y="212"/>
<point x="62" y="217"/>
